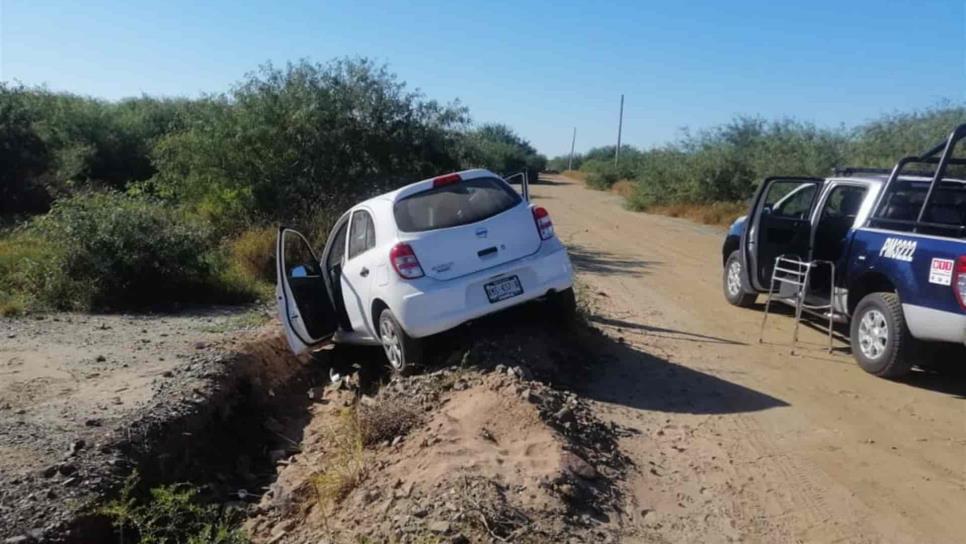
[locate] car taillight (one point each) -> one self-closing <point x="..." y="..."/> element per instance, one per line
<point x="959" y="281"/>
<point x="544" y="224"/>
<point x="448" y="179"/>
<point x="405" y="263"/>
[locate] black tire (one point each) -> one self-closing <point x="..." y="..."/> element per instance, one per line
<point x="738" y="294"/>
<point x="881" y="341"/>
<point x="402" y="351"/>
<point x="562" y="305"/>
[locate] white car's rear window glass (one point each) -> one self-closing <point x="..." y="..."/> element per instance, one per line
<point x="460" y="203"/>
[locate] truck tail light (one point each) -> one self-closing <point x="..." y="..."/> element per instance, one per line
<point x="959" y="281"/>
<point x="544" y="225"/>
<point x="405" y="263"/>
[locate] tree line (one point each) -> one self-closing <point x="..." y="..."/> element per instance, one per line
<point x="725" y="163"/>
<point x="103" y="203"/>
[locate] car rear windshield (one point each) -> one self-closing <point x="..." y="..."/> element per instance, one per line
<point x="460" y="203"/>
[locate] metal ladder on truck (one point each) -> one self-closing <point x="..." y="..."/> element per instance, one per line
<point x="792" y="277"/>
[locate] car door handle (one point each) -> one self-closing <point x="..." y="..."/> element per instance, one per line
<point x="364" y="272"/>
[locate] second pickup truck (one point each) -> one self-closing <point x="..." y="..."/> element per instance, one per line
<point x="898" y="241"/>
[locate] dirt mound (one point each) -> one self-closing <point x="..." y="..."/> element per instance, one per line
<point x="475" y="455"/>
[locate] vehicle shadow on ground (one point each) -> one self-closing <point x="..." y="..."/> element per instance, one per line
<point x="661" y="332"/>
<point x="939" y="371"/>
<point x="643" y="381"/>
<point x="948" y="381"/>
<point x="606" y="263"/>
<point x="577" y="356"/>
<point x="547" y="181"/>
<point x="840" y="333"/>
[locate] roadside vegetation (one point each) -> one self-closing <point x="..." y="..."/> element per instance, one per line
<point x="171" y="513"/>
<point x="149" y="201"/>
<point x="708" y="175"/>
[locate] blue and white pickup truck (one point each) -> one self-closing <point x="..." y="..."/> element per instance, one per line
<point x="898" y="240"/>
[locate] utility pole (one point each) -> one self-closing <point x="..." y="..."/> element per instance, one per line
<point x="570" y="165"/>
<point x="620" y="127"/>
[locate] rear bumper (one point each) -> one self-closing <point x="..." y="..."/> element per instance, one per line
<point x="430" y="306"/>
<point x="935" y="325"/>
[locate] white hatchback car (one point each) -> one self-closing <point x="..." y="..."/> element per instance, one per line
<point x="418" y="261"/>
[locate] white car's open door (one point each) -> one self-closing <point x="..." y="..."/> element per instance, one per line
<point x="304" y="305"/>
<point x="524" y="183"/>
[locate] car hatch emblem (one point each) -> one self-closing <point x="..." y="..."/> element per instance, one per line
<point x="481" y="232"/>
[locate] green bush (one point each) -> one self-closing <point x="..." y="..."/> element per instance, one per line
<point x="21" y="253"/>
<point x="171" y="514"/>
<point x="109" y="251"/>
<point x="602" y="174"/>
<point x="23" y="156"/>
<point x="726" y="163"/>
<point x="286" y="142"/>
<point x="498" y="148"/>
<point x="294" y="145"/>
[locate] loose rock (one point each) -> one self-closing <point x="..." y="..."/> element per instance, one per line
<point x="574" y="464"/>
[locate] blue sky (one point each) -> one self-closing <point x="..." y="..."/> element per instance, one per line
<point x="540" y="67"/>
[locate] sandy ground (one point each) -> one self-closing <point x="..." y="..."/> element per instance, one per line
<point x="746" y="442"/>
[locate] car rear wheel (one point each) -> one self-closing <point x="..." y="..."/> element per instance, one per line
<point x="735" y="286"/>
<point x="562" y="304"/>
<point x="881" y="342"/>
<point x="402" y="351"/>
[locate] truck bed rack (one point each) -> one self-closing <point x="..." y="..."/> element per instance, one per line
<point x="849" y="171"/>
<point x="941" y="156"/>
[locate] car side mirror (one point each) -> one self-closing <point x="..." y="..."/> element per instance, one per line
<point x="766" y="210"/>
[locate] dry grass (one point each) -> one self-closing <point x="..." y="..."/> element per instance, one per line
<point x="11" y="306"/>
<point x="717" y="213"/>
<point x="254" y="252"/>
<point x="345" y="461"/>
<point x="575" y="174"/>
<point x="624" y="187"/>
<point x="346" y="439"/>
<point x="384" y="421"/>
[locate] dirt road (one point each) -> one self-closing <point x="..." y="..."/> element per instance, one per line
<point x="746" y="442"/>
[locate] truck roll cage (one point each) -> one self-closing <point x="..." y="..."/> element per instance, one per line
<point x="942" y="157"/>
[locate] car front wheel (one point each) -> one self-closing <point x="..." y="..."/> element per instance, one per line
<point x="734" y="284"/>
<point x="402" y="351"/>
<point x="881" y="342"/>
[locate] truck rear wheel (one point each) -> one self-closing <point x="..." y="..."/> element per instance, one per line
<point x="735" y="285"/>
<point x="881" y="342"/>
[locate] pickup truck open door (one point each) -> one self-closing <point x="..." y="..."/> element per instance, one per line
<point x="780" y="224"/>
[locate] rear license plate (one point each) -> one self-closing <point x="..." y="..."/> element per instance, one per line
<point x="503" y="288"/>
